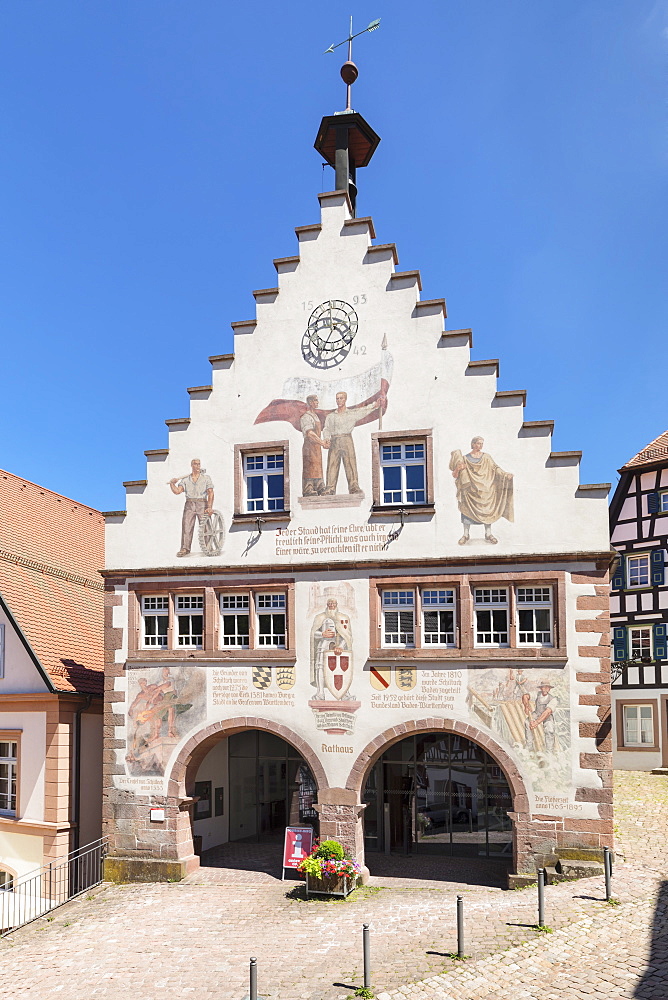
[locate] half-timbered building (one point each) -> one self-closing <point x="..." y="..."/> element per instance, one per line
<point x="639" y="610"/>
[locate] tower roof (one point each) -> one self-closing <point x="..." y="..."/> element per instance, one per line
<point x="655" y="451"/>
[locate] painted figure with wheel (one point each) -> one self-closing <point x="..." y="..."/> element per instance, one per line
<point x="198" y="489"/>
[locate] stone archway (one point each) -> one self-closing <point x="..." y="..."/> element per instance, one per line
<point x="181" y="782"/>
<point x="522" y="853"/>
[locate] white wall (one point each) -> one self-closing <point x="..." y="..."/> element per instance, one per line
<point x="32" y="726"/>
<point x="21" y="674"/>
<point x="214" y="768"/>
<point x="20" y="852"/>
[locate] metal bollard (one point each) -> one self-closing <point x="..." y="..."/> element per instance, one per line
<point x="541" y="897"/>
<point x="460" y="926"/>
<point x="366" y="948"/>
<point x="607" y="867"/>
<point x="253" y="979"/>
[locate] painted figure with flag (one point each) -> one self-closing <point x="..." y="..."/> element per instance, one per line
<point x="307" y="405"/>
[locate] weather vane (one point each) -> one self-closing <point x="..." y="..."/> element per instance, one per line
<point x="349" y="70"/>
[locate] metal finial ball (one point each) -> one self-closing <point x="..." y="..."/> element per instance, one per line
<point x="349" y="73"/>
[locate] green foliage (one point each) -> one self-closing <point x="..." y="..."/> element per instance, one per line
<point x="363" y="991"/>
<point x="456" y="957"/>
<point x="544" y="929"/>
<point x="311" y="866"/>
<point x="330" y="849"/>
<point x="613" y="902"/>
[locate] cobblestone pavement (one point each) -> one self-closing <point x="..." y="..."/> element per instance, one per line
<point x="193" y="939"/>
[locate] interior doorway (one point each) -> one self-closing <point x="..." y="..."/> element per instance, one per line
<point x="438" y="794"/>
<point x="270" y="787"/>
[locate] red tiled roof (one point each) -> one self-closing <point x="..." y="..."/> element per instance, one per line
<point x="51" y="549"/>
<point x="655" y="451"/>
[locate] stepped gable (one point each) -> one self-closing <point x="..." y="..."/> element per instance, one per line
<point x="655" y="451"/>
<point x="51" y="550"/>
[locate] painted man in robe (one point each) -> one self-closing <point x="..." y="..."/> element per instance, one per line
<point x="337" y="432"/>
<point x="313" y="482"/>
<point x="330" y="633"/>
<point x="484" y="490"/>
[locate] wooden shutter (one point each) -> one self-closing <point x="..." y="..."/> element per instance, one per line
<point x="656" y="563"/>
<point x="660" y="637"/>
<point x="653" y="503"/>
<point x="619" y="643"/>
<point x="618" y="581"/>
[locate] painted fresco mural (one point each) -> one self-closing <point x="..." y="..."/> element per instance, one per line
<point x="331" y="661"/>
<point x="164" y="703"/>
<point x="529" y="711"/>
<point x="198" y="489"/>
<point x="328" y="448"/>
<point x="484" y="490"/>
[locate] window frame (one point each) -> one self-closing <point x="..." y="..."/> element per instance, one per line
<point x="402" y="463"/>
<point x="630" y="629"/>
<point x="13" y="736"/>
<point x="627" y="561"/>
<point x="445" y="606"/>
<point x="663" y="498"/>
<point x="492" y="606"/>
<point x="243" y="451"/>
<point x="379" y="438"/>
<point x="533" y="606"/>
<point x="398" y="609"/>
<point x="272" y="611"/>
<point x="234" y="612"/>
<point x="157" y="613"/>
<point x="622" y="745"/>
<point x="188" y="613"/>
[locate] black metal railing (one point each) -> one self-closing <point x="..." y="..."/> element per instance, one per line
<point x="33" y="895"/>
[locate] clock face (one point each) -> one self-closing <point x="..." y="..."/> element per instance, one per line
<point x="331" y="328"/>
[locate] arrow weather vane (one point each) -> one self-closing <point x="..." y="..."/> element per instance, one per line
<point x="349" y="69"/>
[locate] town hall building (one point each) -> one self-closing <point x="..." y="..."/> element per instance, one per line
<point x="357" y="591"/>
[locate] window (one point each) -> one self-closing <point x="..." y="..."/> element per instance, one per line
<point x="491" y="616"/>
<point x="663" y="502"/>
<point x="637" y="568"/>
<point x="403" y="472"/>
<point x="640" y="642"/>
<point x="264" y="485"/>
<point x="8" y="775"/>
<point x="398" y="618"/>
<point x="6" y="880"/>
<point x="534" y="616"/>
<point x="438" y="617"/>
<point x="235" y="620"/>
<point x="155" y="613"/>
<point x="190" y="620"/>
<point x="270" y="617"/>
<point x="638" y="725"/>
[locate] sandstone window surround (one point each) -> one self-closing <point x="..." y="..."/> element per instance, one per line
<point x="240" y="621"/>
<point x="261" y="481"/>
<point x="402" y="470"/>
<point x="637" y="725"/>
<point x="468" y="617"/>
<point x="10" y="744"/>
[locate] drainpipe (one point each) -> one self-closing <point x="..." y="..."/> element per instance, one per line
<point x="75" y="792"/>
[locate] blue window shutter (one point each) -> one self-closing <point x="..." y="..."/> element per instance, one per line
<point x="619" y="643"/>
<point x="618" y="582"/>
<point x="653" y="503"/>
<point x="656" y="562"/>
<point x="660" y="641"/>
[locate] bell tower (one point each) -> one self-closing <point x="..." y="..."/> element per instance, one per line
<point x="345" y="139"/>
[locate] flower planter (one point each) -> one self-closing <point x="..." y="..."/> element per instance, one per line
<point x="341" y="887"/>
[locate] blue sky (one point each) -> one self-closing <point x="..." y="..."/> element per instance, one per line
<point x="155" y="157"/>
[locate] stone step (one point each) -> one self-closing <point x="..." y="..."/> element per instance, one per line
<point x="572" y="869"/>
<point x="554" y="876"/>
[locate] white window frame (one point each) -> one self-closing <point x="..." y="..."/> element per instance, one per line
<point x="630" y="629"/>
<point x="438" y="599"/>
<point x="637" y="557"/>
<point x="234" y="606"/>
<point x="154" y="606"/>
<point x="264" y="504"/>
<point x="402" y="462"/>
<point x="663" y="501"/>
<point x="637" y="709"/>
<point x="188" y="606"/>
<point x="534" y="598"/>
<point x="274" y="605"/>
<point x="9" y="775"/>
<point x="492" y="603"/>
<point x="399" y="602"/>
